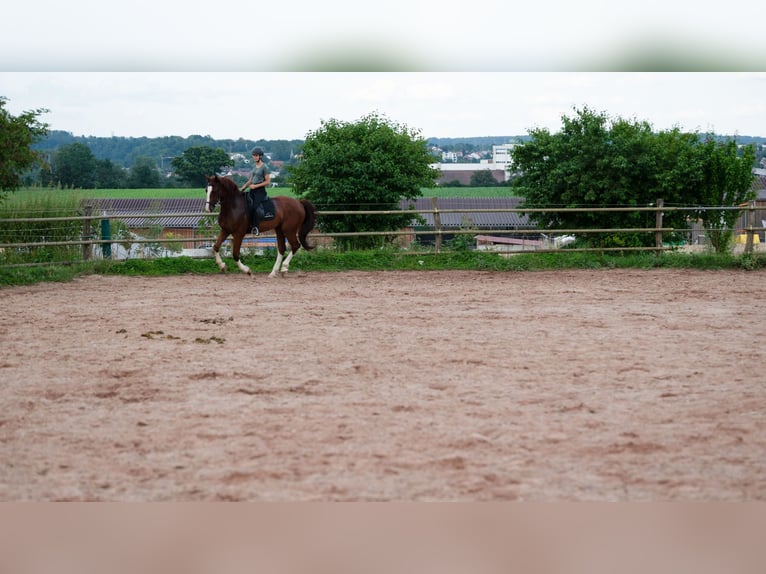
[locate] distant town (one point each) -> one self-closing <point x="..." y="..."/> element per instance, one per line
<point x="458" y="159"/>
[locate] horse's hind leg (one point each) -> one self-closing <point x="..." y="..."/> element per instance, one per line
<point x="294" y="246"/>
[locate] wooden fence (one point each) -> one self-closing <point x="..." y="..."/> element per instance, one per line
<point x="747" y="225"/>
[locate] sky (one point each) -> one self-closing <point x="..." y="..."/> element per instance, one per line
<point x="259" y="70"/>
<point x="405" y="35"/>
<point x="289" y="105"/>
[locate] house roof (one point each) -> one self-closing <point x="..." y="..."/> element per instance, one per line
<point x="175" y="212"/>
<point x="179" y="213"/>
<point x="759" y="185"/>
<point x="494" y="220"/>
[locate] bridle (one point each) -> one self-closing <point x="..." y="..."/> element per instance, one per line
<point x="210" y="205"/>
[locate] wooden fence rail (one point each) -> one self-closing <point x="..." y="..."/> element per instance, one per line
<point x="439" y="231"/>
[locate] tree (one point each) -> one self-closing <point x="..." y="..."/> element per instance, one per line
<point x="592" y="161"/>
<point x="197" y="162"/>
<point x="17" y="135"/>
<point x="74" y="165"/>
<point x="595" y="161"/>
<point x="109" y="175"/>
<point x="144" y="174"/>
<point x="370" y="164"/>
<point x="483" y="178"/>
<point x="725" y="178"/>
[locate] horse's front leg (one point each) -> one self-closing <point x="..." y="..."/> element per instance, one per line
<point x="280" y="254"/>
<point x="236" y="243"/>
<point x="221" y="238"/>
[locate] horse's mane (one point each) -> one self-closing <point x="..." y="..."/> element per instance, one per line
<point x="229" y="185"/>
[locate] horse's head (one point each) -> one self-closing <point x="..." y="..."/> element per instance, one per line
<point x="220" y="190"/>
<point x="213" y="193"/>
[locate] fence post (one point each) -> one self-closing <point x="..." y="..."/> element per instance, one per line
<point x="87" y="233"/>
<point x="658" y="225"/>
<point x="437" y="224"/>
<point x="750" y="223"/>
<point x="106" y="234"/>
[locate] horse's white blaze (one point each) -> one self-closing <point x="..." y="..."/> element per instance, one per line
<point x="207" y="198"/>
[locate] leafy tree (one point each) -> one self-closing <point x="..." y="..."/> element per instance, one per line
<point x="144" y="174"/>
<point x="17" y="135"/>
<point x="725" y="179"/>
<point x="483" y="178"/>
<point x="74" y="165"/>
<point x="197" y="162"/>
<point x="601" y="162"/>
<point x="109" y="175"/>
<point x="590" y="162"/>
<point x="370" y="164"/>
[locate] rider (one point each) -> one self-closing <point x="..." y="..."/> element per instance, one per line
<point x="257" y="184"/>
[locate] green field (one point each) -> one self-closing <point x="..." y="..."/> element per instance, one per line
<point x="200" y="192"/>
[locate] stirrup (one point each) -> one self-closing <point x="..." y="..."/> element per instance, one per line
<point x="255" y="231"/>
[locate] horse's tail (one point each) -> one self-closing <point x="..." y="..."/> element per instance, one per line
<point x="308" y="224"/>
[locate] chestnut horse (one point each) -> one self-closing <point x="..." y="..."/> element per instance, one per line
<point x="294" y="219"/>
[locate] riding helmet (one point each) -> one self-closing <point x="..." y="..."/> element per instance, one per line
<point x="257" y="151"/>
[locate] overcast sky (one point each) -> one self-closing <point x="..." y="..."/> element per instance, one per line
<point x="288" y="105"/>
<point x="449" y="68"/>
<point x="435" y="35"/>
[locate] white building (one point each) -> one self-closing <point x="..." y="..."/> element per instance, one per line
<point x="449" y="156"/>
<point x="501" y="155"/>
<point x="499" y="165"/>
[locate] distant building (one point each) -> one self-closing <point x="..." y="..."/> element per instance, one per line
<point x="462" y="172"/>
<point x="449" y="157"/>
<point x="501" y="155"/>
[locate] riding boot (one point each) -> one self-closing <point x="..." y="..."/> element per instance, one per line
<point x="250" y="203"/>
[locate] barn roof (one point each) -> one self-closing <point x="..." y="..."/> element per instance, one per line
<point x="759" y="185"/>
<point x="175" y="212"/>
<point x="494" y="220"/>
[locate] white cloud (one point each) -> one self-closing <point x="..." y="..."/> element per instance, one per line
<point x="283" y="105"/>
<point x="396" y="35"/>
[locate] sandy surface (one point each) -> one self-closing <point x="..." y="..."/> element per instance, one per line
<point x="479" y="386"/>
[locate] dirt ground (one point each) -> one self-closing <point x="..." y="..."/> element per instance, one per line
<point x="607" y="385"/>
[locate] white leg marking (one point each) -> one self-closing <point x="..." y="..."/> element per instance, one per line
<point x="286" y="264"/>
<point x="244" y="268"/>
<point x="219" y="261"/>
<point x="277" y="263"/>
